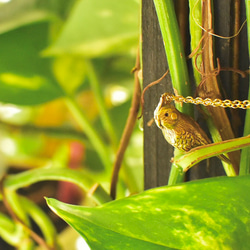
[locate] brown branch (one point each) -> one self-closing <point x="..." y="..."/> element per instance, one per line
<point x="149" y="86"/>
<point x="131" y="120"/>
<point x="195" y="51"/>
<point x="242" y="73"/>
<point x="211" y="87"/>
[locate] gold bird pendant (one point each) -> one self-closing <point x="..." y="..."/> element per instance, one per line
<point x="180" y="130"/>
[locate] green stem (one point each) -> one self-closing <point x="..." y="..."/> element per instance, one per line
<point x="195" y="16"/>
<point x="8" y="230"/>
<point x="176" y="175"/>
<point x="174" y="50"/>
<point x="198" y="154"/>
<point x="245" y="153"/>
<point x="95" y="85"/>
<point x="176" y="59"/>
<point x="90" y="132"/>
<point x="23" y="241"/>
<point x="22" y="207"/>
<point x="42" y="220"/>
<point x="14" y="182"/>
<point x="229" y="169"/>
<point x="15" y="205"/>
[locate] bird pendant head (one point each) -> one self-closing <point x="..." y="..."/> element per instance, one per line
<point x="166" y="115"/>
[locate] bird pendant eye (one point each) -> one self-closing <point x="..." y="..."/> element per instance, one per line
<point x="166" y="114"/>
<point x="173" y="116"/>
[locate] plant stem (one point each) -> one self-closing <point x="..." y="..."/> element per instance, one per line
<point x="90" y="132"/>
<point x="174" y="50"/>
<point x="176" y="175"/>
<point x="95" y="85"/>
<point x="215" y="125"/>
<point x="8" y="230"/>
<point x="42" y="220"/>
<point x="12" y="203"/>
<point x="17" y="206"/>
<point x="186" y="161"/>
<point x="245" y="153"/>
<point x="210" y="87"/>
<point x="176" y="59"/>
<point x="127" y="132"/>
<point x="229" y="169"/>
<point x="195" y="16"/>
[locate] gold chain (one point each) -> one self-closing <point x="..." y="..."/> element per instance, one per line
<point x="236" y="104"/>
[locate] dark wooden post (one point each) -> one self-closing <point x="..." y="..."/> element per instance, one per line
<point x="157" y="152"/>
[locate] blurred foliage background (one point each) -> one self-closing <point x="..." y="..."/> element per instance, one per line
<point x="65" y="92"/>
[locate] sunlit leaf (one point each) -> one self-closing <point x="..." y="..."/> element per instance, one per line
<point x="208" y="214"/>
<point x="99" y="27"/>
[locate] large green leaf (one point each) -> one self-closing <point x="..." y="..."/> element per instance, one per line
<point x="25" y="76"/>
<point x="99" y="27"/>
<point x="208" y="214"/>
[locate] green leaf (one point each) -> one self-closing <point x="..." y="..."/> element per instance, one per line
<point x="207" y="214"/>
<point x="99" y="27"/>
<point x="25" y="77"/>
<point x="99" y="237"/>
